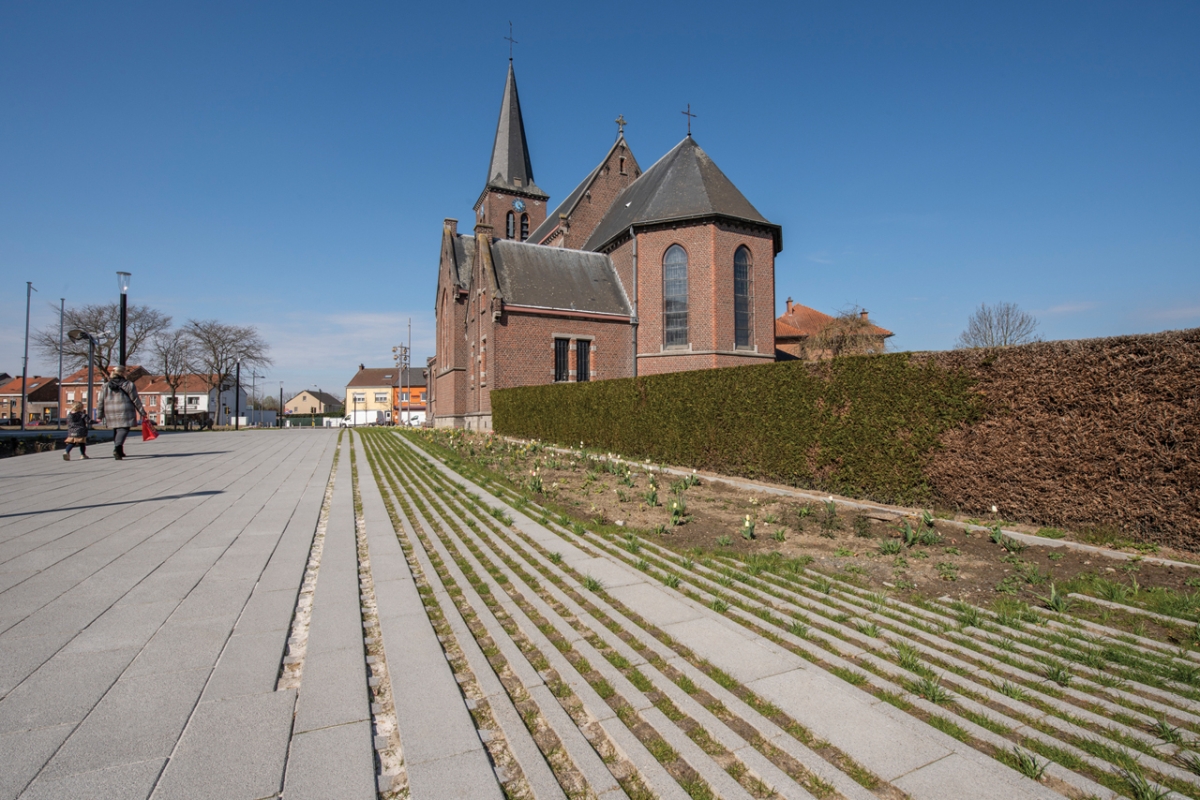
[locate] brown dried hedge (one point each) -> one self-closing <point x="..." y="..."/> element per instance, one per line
<point x="1076" y="433"/>
<point x="1102" y="432"/>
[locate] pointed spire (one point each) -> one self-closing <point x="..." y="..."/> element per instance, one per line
<point x="510" y="167"/>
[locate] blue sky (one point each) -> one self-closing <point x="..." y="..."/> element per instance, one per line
<point x="288" y="165"/>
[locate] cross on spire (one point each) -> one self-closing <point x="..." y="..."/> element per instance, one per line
<point x="511" y="40"/>
<point x="620" y="120"/>
<point x="689" y="115"/>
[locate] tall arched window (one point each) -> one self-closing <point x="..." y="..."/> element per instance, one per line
<point x="743" y="317"/>
<point x="510" y="230"/>
<point x="675" y="297"/>
<point x="524" y="227"/>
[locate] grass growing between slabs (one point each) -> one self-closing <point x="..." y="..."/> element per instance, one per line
<point x="1051" y="658"/>
<point x="531" y="573"/>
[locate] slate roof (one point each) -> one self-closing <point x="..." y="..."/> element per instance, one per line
<point x="510" y="153"/>
<point x="683" y="184"/>
<point x="558" y="278"/>
<point x="464" y="256"/>
<point x="324" y="397"/>
<point x="572" y="200"/>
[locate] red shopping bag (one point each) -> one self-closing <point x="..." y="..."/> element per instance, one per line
<point x="149" y="432"/>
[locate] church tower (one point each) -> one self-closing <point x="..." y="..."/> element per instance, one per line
<point x="511" y="203"/>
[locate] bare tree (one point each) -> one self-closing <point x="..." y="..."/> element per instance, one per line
<point x="849" y="333"/>
<point x="104" y="322"/>
<point x="174" y="356"/>
<point x="218" y="347"/>
<point x="1001" y="325"/>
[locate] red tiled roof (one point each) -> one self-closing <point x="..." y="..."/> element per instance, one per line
<point x="189" y="383"/>
<point x="803" y="321"/>
<point x="31" y="383"/>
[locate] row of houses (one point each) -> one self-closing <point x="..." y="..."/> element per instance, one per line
<point x="399" y="395"/>
<point x="192" y="402"/>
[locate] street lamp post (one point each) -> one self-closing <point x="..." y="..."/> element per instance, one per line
<point x="237" y="398"/>
<point x="76" y="335"/>
<point x="29" y="290"/>
<point x="280" y="420"/>
<point x="123" y="284"/>
<point x="62" y="307"/>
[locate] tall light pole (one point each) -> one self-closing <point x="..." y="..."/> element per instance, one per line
<point x="76" y="335"/>
<point x="123" y="285"/>
<point x="280" y="421"/>
<point x="29" y="290"/>
<point x="237" y="398"/>
<point x="62" y="308"/>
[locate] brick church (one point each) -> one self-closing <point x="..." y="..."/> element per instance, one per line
<point x="636" y="272"/>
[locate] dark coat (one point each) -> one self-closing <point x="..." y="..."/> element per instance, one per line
<point x="77" y="426"/>
<point x="120" y="404"/>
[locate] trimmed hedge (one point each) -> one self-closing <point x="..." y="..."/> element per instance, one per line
<point x="864" y="426"/>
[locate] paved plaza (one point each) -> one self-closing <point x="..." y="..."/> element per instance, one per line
<point x="232" y="616"/>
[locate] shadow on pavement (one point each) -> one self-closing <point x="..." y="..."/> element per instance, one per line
<point x="114" y="503"/>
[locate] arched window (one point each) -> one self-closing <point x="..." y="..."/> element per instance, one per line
<point x="675" y="297"/>
<point x="524" y="227"/>
<point x="510" y="230"/>
<point x="743" y="317"/>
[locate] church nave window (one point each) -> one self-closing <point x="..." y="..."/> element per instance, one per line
<point x="583" y="360"/>
<point x="675" y="297"/>
<point x="562" y="360"/>
<point x="524" y="227"/>
<point x="742" y="291"/>
<point x="510" y="228"/>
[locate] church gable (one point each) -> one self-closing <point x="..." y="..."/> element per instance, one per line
<point x="683" y="185"/>
<point x="577" y="216"/>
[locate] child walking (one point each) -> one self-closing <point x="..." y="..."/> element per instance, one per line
<point x="77" y="431"/>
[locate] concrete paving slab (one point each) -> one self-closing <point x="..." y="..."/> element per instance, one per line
<point x="248" y="665"/>
<point x="845" y="717"/>
<point x="332" y="762"/>
<point x="186" y="645"/>
<point x="122" y="626"/>
<point x="608" y="572"/>
<point x="139" y="718"/>
<point x="739" y="653"/>
<point x="666" y="608"/>
<point x="454" y="777"/>
<point x="955" y="777"/>
<point x="62" y="690"/>
<point x="20" y="657"/>
<point x="231" y="750"/>
<point x="215" y="599"/>
<point x="267" y="611"/>
<point x="23" y="753"/>
<point x="333" y="689"/>
<point x="132" y="781"/>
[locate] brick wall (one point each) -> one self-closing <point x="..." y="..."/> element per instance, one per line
<point x="525" y="344"/>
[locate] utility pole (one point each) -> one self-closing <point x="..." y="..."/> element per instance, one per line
<point x="29" y="290"/>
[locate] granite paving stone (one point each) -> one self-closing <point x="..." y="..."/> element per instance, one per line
<point x="23" y="753"/>
<point x="127" y="781"/>
<point x="139" y="718"/>
<point x="249" y="664"/>
<point x="332" y="763"/>
<point x="231" y="750"/>
<point x="64" y="689"/>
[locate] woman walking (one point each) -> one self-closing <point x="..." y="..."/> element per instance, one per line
<point x="120" y="408"/>
<point x="77" y="431"/>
